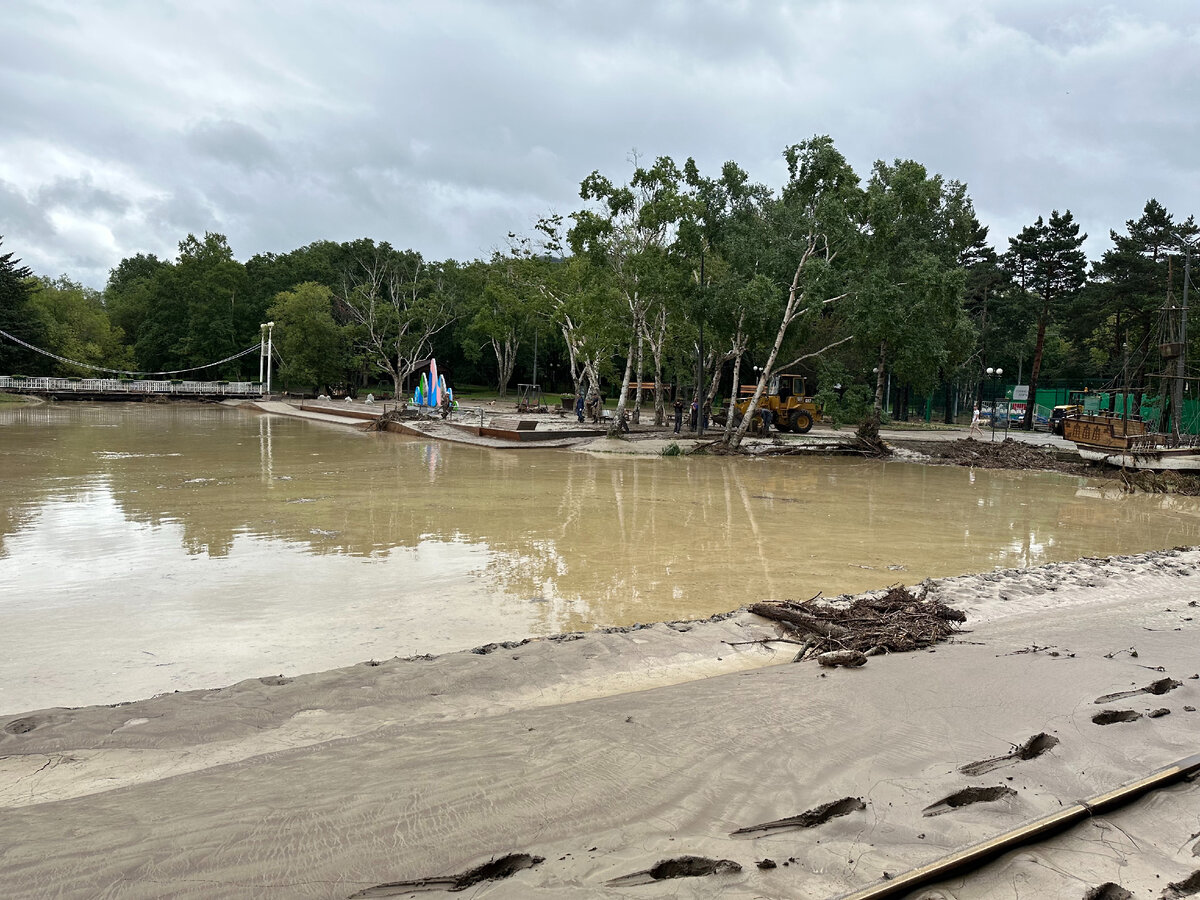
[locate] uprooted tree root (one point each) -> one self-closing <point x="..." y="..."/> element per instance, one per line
<point x="868" y="441"/>
<point x="381" y="424"/>
<point x="895" y="622"/>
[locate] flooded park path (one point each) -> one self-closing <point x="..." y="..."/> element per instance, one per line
<point x="148" y="548"/>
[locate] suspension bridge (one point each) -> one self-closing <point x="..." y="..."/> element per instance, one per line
<point x="127" y="388"/>
<point x="120" y="384"/>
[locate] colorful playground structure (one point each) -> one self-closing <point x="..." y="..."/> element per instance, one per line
<point x="432" y="389"/>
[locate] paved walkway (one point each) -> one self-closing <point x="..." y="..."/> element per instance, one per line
<point x="648" y="442"/>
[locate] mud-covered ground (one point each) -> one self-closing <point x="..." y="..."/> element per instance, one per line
<point x="697" y="753"/>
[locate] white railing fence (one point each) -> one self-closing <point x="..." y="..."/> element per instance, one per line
<point x="31" y="385"/>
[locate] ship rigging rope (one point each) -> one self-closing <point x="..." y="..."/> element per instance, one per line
<point x="83" y="365"/>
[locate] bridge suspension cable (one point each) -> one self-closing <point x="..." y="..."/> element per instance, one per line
<point x="83" y="365"/>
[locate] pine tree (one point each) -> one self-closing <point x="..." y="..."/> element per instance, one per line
<point x="1047" y="264"/>
<point x="17" y="317"/>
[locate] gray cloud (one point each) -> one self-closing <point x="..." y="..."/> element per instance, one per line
<point x="444" y="125"/>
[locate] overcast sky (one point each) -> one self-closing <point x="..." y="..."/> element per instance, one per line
<point x="443" y="125"/>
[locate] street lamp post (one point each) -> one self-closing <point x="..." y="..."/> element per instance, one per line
<point x="994" y="377"/>
<point x="264" y="353"/>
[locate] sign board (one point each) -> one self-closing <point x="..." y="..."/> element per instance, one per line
<point x="1021" y="392"/>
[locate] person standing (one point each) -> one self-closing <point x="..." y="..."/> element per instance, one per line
<point x="579" y="407"/>
<point x="678" y="414"/>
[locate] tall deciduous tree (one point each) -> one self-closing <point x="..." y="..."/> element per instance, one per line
<point x="1047" y="263"/>
<point x="629" y="233"/>
<point x="130" y="291"/>
<point x="199" y="311"/>
<point x="502" y="312"/>
<point x="399" y="303"/>
<point x="311" y="344"/>
<point x="77" y="327"/>
<point x="812" y="224"/>
<point x="909" y="302"/>
<point x="578" y="297"/>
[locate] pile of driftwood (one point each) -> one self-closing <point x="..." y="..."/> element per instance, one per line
<point x="1134" y="480"/>
<point x="846" y="635"/>
<point x="1000" y="454"/>
<point x="389" y="415"/>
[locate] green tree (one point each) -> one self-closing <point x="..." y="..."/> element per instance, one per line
<point x="398" y="304"/>
<point x="1049" y="267"/>
<point x="129" y="293"/>
<point x="578" y="297"/>
<point x="909" y="300"/>
<point x="311" y="344"/>
<point x="813" y="225"/>
<point x="198" y="311"/>
<point x="736" y="288"/>
<point x="17" y="318"/>
<point x="500" y="313"/>
<point x="1121" y="306"/>
<point x="76" y="326"/>
<point x="628" y="232"/>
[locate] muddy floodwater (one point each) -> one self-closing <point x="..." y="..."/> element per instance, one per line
<point x="149" y="548"/>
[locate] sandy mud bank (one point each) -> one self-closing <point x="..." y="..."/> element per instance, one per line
<point x="694" y="755"/>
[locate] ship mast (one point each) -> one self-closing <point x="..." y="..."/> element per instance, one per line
<point x="1181" y="360"/>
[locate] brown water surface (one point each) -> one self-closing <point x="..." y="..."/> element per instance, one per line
<point x="146" y="548"/>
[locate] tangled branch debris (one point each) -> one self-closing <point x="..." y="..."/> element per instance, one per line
<point x="381" y="424"/>
<point x="896" y="622"/>
<point x="1004" y="454"/>
<point x="1149" y="482"/>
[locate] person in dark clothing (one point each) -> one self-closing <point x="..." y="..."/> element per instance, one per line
<point x="579" y="407"/>
<point x="678" y="414"/>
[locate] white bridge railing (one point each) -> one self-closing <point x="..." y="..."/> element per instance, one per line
<point x="31" y="385"/>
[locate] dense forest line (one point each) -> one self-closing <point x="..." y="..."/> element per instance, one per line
<point x="883" y="289"/>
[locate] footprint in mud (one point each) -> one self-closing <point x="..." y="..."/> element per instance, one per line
<point x="489" y="871"/>
<point x="966" y="797"/>
<point x="1190" y="886"/>
<point x="1157" y="688"/>
<point x="678" y="867"/>
<point x="25" y="724"/>
<point x="818" y="815"/>
<point x="1031" y="749"/>
<point x="1112" y="716"/>
<point x="1108" y="891"/>
<point x="275" y="680"/>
